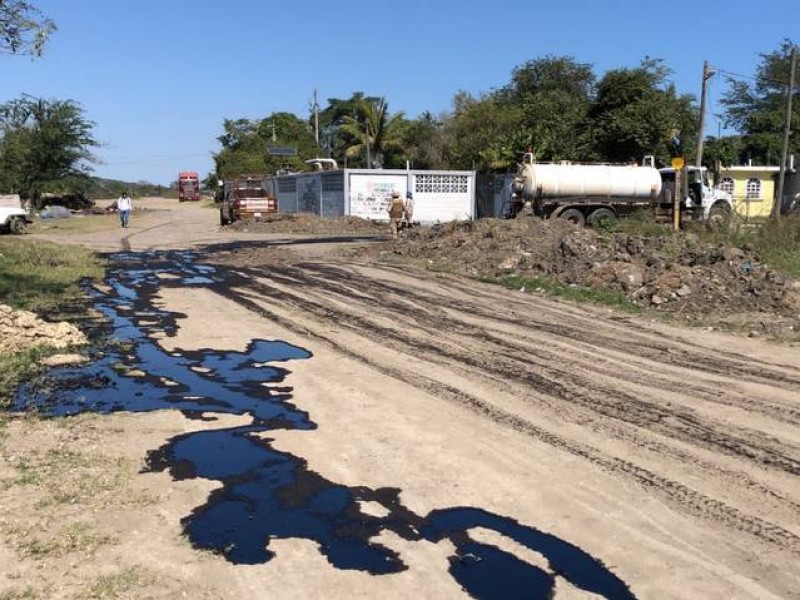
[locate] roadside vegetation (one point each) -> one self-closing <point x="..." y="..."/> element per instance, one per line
<point x="775" y="242"/>
<point x="38" y="276"/>
<point x="575" y="293"/>
<point x="45" y="279"/>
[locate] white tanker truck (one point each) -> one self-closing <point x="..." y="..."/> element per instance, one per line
<point x="590" y="193"/>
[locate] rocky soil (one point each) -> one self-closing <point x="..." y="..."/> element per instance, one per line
<point x="679" y="274"/>
<point x="308" y="223"/>
<point x="21" y="330"/>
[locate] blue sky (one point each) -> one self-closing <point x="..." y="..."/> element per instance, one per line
<point x="159" y="77"/>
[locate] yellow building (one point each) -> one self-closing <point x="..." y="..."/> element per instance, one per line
<point x="753" y="189"/>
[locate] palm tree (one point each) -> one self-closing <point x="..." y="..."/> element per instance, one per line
<point x="372" y="130"/>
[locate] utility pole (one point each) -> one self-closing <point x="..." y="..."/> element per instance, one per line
<point x="316" y="118"/>
<point x="776" y="208"/>
<point x="366" y="139"/>
<point x="707" y="73"/>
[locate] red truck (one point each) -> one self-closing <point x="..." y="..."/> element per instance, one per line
<point x="247" y="197"/>
<point x="188" y="186"/>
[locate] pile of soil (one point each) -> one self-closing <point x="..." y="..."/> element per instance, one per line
<point x="671" y="273"/>
<point x="21" y="330"/>
<point x="308" y="223"/>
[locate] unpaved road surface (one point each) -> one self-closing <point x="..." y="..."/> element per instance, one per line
<point x="369" y="430"/>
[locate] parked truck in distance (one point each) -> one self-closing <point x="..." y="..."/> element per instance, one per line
<point x="13" y="218"/>
<point x="247" y="197"/>
<point x="188" y="186"/>
<point x="591" y="193"/>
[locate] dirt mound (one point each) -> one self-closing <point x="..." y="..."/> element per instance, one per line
<point x="673" y="273"/>
<point x="308" y="223"/>
<point x="21" y="330"/>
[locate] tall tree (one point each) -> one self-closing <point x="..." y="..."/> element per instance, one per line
<point x="45" y="145"/>
<point x="636" y="112"/>
<point x="425" y="143"/>
<point x="554" y="93"/>
<point x="23" y="28"/>
<point x="544" y="106"/>
<point x="245" y="145"/>
<point x="372" y="129"/>
<point x="488" y="134"/>
<point x="757" y="109"/>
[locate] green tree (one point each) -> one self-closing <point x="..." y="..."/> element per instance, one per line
<point x="758" y="109"/>
<point x="23" y="28"/>
<point x="554" y="94"/>
<point x="726" y="151"/>
<point x="544" y="107"/>
<point x="245" y="145"/>
<point x="372" y="131"/>
<point x="636" y="112"/>
<point x="45" y="145"/>
<point x="425" y="143"/>
<point x="488" y="134"/>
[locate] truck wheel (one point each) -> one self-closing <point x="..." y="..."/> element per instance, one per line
<point x="574" y="216"/>
<point x="17" y="226"/>
<point x="719" y="215"/>
<point x="600" y="216"/>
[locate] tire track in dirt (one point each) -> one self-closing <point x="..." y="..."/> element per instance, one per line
<point x="729" y="364"/>
<point x="685" y="497"/>
<point x="649" y="376"/>
<point x="552" y="380"/>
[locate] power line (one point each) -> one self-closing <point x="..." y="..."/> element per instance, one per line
<point x="732" y="75"/>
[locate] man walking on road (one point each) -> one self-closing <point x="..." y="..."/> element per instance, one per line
<point x="124" y="206"/>
<point x="396" y="211"/>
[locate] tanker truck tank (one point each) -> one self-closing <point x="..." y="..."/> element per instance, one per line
<point x="543" y="181"/>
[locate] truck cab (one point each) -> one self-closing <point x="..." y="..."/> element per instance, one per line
<point x="13" y="217"/>
<point x="699" y="199"/>
<point x="188" y="186"/>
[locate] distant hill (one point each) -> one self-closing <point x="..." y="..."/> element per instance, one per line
<point x="101" y="188"/>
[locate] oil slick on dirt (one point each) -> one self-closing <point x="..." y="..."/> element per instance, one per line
<point x="266" y="494"/>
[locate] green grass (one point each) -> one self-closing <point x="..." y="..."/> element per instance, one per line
<point x="39" y="276"/>
<point x="120" y="583"/>
<point x="18" y="367"/>
<point x="75" y="224"/>
<point x="777" y="243"/>
<point x="75" y="538"/>
<point x="575" y="293"/>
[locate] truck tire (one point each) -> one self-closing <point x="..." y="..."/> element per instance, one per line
<point x="598" y="216"/>
<point x="719" y="215"/>
<point x="574" y="216"/>
<point x="16" y="226"/>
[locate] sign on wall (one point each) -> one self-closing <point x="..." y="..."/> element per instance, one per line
<point x="370" y="195"/>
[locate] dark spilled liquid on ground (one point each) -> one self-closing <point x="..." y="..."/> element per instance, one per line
<point x="267" y="494"/>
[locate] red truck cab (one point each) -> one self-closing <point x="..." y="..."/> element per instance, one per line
<point x="188" y="186"/>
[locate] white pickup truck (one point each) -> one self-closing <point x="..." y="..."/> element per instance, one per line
<point x="13" y="217"/>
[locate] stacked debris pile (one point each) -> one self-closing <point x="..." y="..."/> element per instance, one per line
<point x="668" y="272"/>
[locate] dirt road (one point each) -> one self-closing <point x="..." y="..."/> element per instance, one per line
<point x="369" y="430"/>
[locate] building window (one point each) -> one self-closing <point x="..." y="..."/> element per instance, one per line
<point x="441" y="184"/>
<point x="726" y="185"/>
<point x="753" y="189"/>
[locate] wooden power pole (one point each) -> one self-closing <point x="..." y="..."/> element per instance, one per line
<point x="787" y="130"/>
<point x="707" y="73"/>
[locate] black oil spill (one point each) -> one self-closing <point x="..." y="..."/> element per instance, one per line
<point x="266" y="494"/>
